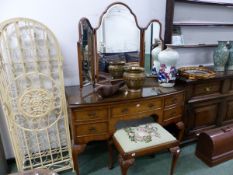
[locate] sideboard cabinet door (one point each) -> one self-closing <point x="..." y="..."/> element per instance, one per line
<point x="229" y="111"/>
<point x="203" y="115"/>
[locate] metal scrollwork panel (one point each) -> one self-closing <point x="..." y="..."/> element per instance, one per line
<point x="32" y="95"/>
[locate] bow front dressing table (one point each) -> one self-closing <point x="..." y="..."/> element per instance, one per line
<point x="93" y="118"/>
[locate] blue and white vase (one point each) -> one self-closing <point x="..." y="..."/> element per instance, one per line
<point x="220" y="56"/>
<point x="167" y="71"/>
<point x="155" y="60"/>
<point x="229" y="64"/>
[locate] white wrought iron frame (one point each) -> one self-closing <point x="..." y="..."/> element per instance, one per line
<point x="33" y="96"/>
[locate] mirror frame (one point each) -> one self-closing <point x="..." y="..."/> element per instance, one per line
<point x="80" y="55"/>
<point x="95" y="68"/>
<point x="160" y="37"/>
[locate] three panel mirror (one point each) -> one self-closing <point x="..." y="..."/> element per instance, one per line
<point x="117" y="39"/>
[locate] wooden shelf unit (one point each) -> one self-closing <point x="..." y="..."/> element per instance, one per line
<point x="170" y="23"/>
<point x="194" y="45"/>
<point x="206" y="2"/>
<point x="202" y="24"/>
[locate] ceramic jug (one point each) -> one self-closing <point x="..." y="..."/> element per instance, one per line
<point x="167" y="71"/>
<point x="220" y="56"/>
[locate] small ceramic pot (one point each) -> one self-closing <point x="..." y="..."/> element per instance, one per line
<point x="220" y="56"/>
<point x="116" y="69"/>
<point x="134" y="78"/>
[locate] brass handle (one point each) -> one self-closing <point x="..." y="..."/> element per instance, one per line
<point x="207" y="89"/>
<point x="172" y="114"/>
<point x="125" y="110"/>
<point x="92" y="114"/>
<point x="151" y="105"/>
<point x="92" y="129"/>
<point x="174" y="100"/>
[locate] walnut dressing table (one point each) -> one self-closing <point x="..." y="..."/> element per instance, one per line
<point x="93" y="118"/>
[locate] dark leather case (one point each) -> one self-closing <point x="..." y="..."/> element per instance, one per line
<point x="216" y="145"/>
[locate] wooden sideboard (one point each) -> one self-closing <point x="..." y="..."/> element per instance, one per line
<point x="93" y="118"/>
<point x="209" y="103"/>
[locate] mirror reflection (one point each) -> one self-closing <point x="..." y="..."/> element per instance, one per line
<point x="86" y="63"/>
<point x="153" y="45"/>
<point x="118" y="41"/>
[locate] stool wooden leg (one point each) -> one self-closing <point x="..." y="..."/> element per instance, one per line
<point x="110" y="152"/>
<point x="125" y="164"/>
<point x="175" y="151"/>
<point x="180" y="126"/>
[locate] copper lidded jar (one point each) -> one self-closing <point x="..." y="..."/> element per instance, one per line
<point x="134" y="77"/>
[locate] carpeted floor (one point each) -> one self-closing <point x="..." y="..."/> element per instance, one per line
<point x="95" y="159"/>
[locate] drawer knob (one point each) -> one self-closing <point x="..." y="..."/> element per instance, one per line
<point x="174" y="100"/>
<point x="137" y="105"/>
<point x="172" y="114"/>
<point x="207" y="89"/>
<point x="125" y="110"/>
<point x="151" y="105"/>
<point x="92" y="114"/>
<point x="92" y="129"/>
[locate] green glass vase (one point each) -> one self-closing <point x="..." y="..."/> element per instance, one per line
<point x="220" y="57"/>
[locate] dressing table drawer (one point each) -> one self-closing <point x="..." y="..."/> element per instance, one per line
<point x="171" y="113"/>
<point x="207" y="88"/>
<point x="132" y="108"/>
<point x="91" y="129"/>
<point x="174" y="100"/>
<point x="90" y="114"/>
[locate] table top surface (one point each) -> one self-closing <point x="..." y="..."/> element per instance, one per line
<point x="87" y="95"/>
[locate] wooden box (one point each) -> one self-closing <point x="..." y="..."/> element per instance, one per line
<point x="216" y="145"/>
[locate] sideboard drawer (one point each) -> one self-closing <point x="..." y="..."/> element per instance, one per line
<point x="132" y="108"/>
<point x="91" y="129"/>
<point x="174" y="99"/>
<point x="90" y="114"/>
<point x="207" y="88"/>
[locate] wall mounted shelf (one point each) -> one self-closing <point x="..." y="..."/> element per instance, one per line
<point x="202" y="24"/>
<point x="207" y="2"/>
<point x="194" y="45"/>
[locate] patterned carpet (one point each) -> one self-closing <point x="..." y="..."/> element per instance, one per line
<point x="95" y="159"/>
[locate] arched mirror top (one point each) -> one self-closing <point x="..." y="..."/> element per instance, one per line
<point x="157" y="29"/>
<point x="116" y="9"/>
<point x="118" y="30"/>
<point x="84" y="24"/>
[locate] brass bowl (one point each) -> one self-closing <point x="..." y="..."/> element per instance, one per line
<point x="116" y="69"/>
<point x="134" y="77"/>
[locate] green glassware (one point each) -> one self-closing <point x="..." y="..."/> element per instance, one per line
<point x="220" y="57"/>
<point x="229" y="65"/>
